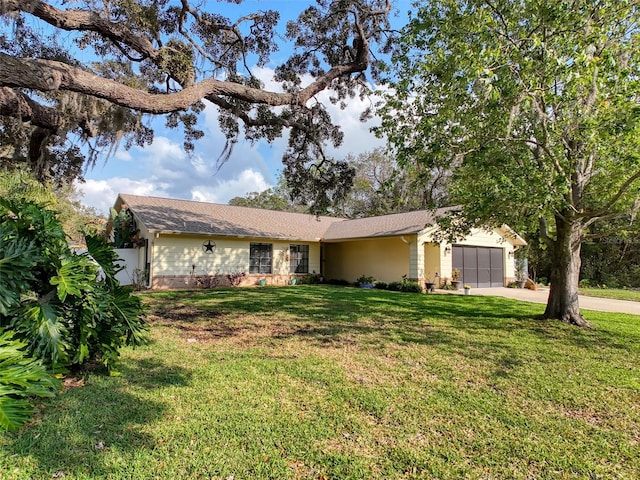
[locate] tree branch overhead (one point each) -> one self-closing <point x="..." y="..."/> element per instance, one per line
<point x="159" y="58"/>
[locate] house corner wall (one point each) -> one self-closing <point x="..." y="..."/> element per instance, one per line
<point x="416" y="259"/>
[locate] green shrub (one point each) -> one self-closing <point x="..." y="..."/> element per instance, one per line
<point x="395" y="286"/>
<point x="310" y="279"/>
<point x="72" y="310"/>
<point x="410" y="287"/>
<point x="365" y="279"/>
<point x="381" y="285"/>
<point x="21" y="378"/>
<point x="585" y="283"/>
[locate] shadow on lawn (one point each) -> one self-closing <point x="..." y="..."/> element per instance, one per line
<point x="330" y="315"/>
<point x="76" y="431"/>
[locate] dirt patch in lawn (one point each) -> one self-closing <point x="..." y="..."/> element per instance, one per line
<point x="215" y="326"/>
<point x="181" y="314"/>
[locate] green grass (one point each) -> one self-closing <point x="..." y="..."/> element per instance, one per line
<point x="341" y="383"/>
<point x="613" y="293"/>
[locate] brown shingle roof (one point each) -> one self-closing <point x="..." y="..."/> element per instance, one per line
<point x="382" y="226"/>
<point x="185" y="216"/>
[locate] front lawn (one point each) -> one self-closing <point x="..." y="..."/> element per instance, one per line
<point x="318" y="382"/>
<point x="613" y="293"/>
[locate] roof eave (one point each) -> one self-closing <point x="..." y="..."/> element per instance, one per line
<point x="226" y="235"/>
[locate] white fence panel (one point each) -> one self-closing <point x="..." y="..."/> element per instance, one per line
<point x="128" y="260"/>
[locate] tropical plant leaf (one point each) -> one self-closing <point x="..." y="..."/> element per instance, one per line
<point x="21" y="377"/>
<point x="103" y="254"/>
<point x="128" y="308"/>
<point x="73" y="276"/>
<point x="13" y="411"/>
<point x="17" y="256"/>
<point x="49" y="340"/>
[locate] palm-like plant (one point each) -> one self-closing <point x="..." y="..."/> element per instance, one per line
<point x="72" y="309"/>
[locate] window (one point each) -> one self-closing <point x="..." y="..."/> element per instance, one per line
<point x="260" y="257"/>
<point x="298" y="258"/>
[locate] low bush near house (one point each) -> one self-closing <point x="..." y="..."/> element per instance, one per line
<point x="365" y="279"/>
<point x="394" y="286"/>
<point x="207" y="281"/>
<point x="410" y="287"/>
<point x="235" y="278"/>
<point x="310" y="279"/>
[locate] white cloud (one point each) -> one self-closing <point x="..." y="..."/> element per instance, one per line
<point x="163" y="148"/>
<point x="123" y="155"/>
<point x="224" y="190"/>
<point x="101" y="194"/>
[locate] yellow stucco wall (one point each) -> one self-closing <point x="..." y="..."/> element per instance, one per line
<point x="386" y="259"/>
<point x="432" y="264"/>
<point x="478" y="238"/>
<point x="176" y="255"/>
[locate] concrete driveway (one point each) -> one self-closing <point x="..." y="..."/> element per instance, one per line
<point x="540" y="296"/>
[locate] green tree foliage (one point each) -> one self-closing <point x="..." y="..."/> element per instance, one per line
<point x="534" y="104"/>
<point x="274" y="198"/>
<point x="21" y="378"/>
<point x="20" y="184"/>
<point x="94" y="71"/>
<point x="381" y="186"/>
<point x="67" y="307"/>
<point x="124" y="228"/>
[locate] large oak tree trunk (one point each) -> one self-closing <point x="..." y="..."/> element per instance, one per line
<point x="565" y="271"/>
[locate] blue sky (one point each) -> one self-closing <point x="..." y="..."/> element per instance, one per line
<point x="164" y="169"/>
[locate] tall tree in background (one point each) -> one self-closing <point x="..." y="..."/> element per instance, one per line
<point x="381" y="186"/>
<point x="95" y="71"/>
<point x="536" y="105"/>
<point x="274" y="198"/>
<point x="19" y="185"/>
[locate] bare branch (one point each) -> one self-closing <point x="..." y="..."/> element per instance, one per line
<point x="82" y="20"/>
<point x="621" y="191"/>
<point x="49" y="75"/>
<point x="610" y="216"/>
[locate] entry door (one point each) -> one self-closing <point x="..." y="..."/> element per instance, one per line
<point x="480" y="267"/>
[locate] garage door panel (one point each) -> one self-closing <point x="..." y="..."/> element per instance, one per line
<point x="479" y="266"/>
<point x="484" y="267"/>
<point x="497" y="267"/>
<point x="469" y="276"/>
<point x="470" y="267"/>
